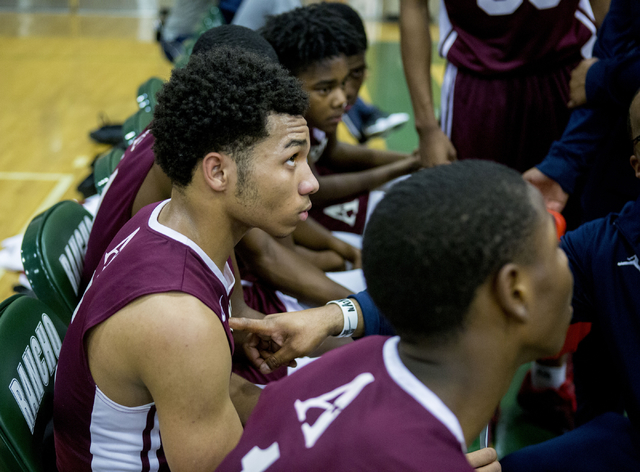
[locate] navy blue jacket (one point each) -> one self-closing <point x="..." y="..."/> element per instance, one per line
<point x="595" y="146"/>
<point x="603" y="256"/>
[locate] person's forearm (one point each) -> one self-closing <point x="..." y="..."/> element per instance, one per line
<point x="349" y="157"/>
<point x="312" y="235"/>
<point x="613" y="81"/>
<point x="336" y="187"/>
<point x="289" y="272"/>
<point x="415" y="44"/>
<point x="244" y="396"/>
<point x="573" y="154"/>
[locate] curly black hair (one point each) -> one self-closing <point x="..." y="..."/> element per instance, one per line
<point x="237" y="36"/>
<point x="311" y="34"/>
<point x="439" y="235"/>
<point x="352" y="16"/>
<point x="220" y="102"/>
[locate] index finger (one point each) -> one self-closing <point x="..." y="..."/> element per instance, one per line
<point x="482" y="457"/>
<point x="251" y="325"/>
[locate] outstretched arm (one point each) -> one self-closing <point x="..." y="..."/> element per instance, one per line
<point x="280" y="338"/>
<point x="336" y="187"/>
<point x="345" y="157"/>
<point x="313" y="235"/>
<point x="415" y="43"/>
<point x="287" y="271"/>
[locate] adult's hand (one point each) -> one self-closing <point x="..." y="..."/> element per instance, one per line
<point x="554" y="197"/>
<point x="278" y="339"/>
<point x="484" y="460"/>
<point x="577" y="90"/>
<point x="435" y="148"/>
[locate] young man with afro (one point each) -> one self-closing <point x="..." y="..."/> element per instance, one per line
<point x="143" y="380"/>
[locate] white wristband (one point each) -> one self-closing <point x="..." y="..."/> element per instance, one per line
<point x="350" y="315"/>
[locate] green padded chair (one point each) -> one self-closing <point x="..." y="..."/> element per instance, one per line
<point x="104" y="167"/>
<point x="147" y="94"/>
<point x="30" y="339"/>
<point x="53" y="250"/>
<point x="135" y="124"/>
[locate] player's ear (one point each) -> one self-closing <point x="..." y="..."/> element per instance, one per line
<point x="635" y="163"/>
<point x="512" y="292"/>
<point x="216" y="168"/>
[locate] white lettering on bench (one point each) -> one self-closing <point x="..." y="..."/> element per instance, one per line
<point x="72" y="259"/>
<point x="36" y="369"/>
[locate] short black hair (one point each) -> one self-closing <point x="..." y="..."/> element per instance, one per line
<point x="234" y="35"/>
<point x="308" y="35"/>
<point x="352" y="17"/>
<point x="437" y="236"/>
<point x="220" y="102"/>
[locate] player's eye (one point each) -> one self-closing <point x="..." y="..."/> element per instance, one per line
<point x="357" y="73"/>
<point x="292" y="160"/>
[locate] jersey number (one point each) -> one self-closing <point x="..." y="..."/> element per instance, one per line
<point x="507" y="7"/>
<point x="258" y="460"/>
<point x="341" y="397"/>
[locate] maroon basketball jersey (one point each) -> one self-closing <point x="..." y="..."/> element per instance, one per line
<point x="355" y="408"/>
<point x="348" y="214"/>
<point x="115" y="208"/>
<point x="91" y="431"/>
<point x="497" y="36"/>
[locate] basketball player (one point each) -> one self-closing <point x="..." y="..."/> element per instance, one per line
<point x="464" y="262"/>
<point x="314" y="42"/>
<point x="263" y="262"/>
<point x="143" y="376"/>
<point x="506" y="84"/>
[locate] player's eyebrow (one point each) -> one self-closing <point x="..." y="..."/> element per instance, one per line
<point x="325" y="83"/>
<point x="296" y="142"/>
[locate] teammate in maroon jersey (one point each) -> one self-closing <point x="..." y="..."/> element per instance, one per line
<point x="314" y="42"/>
<point x="506" y="85"/>
<point x="143" y="380"/>
<point x="464" y="262"/>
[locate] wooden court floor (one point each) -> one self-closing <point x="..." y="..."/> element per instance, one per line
<point x="59" y="74"/>
<point x="62" y="74"/>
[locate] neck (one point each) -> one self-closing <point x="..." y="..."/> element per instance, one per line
<point x="205" y="223"/>
<point x="470" y="376"/>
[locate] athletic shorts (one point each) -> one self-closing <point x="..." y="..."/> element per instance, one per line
<point x="512" y="120"/>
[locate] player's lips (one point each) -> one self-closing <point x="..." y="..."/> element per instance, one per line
<point x="304" y="214"/>
<point x="336" y="118"/>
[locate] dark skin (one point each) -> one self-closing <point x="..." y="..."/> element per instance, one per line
<point x="508" y="313"/>
<point x="361" y="169"/>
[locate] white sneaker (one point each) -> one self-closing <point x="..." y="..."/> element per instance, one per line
<point x="385" y="124"/>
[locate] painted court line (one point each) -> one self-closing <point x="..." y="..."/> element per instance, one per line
<point x="64" y="181"/>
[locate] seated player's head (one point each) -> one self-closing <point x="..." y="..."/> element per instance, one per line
<point x="357" y="62"/>
<point x="314" y="43"/>
<point x="230" y="125"/>
<point x="465" y="242"/>
<point x="236" y="36"/>
<point x="634" y="129"/>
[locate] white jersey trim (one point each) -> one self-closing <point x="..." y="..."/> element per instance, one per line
<point x="228" y="280"/>
<point x="584" y="14"/>
<point x="316" y="150"/>
<point x="447" y="93"/>
<point x="117" y="435"/>
<point x="419" y="391"/>
<point x="448" y="35"/>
